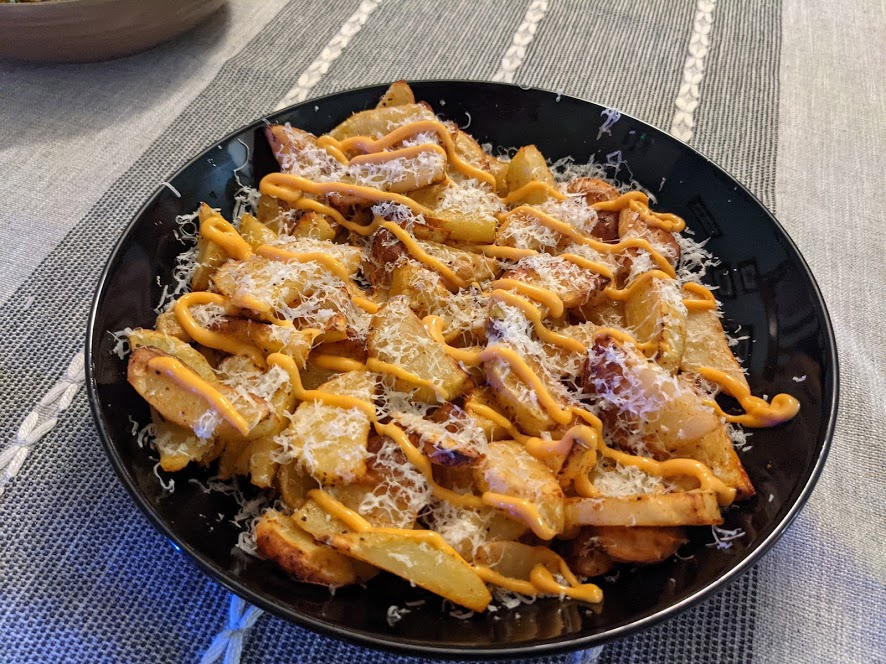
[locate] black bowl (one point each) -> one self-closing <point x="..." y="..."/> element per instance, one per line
<point x="764" y="284"/>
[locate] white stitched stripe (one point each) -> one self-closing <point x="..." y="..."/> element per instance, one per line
<point x="330" y="53"/>
<point x="516" y="52"/>
<point x="683" y="123"/>
<point x="227" y="646"/>
<point x="40" y="421"/>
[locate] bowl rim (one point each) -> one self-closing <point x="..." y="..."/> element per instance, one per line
<point x="406" y="646"/>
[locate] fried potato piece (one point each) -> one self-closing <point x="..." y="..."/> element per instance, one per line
<point x="181" y="406"/>
<point x="655" y="313"/>
<point x="269" y="338"/>
<point x="380" y="121"/>
<point x="330" y="441"/>
<point x="716" y="451"/>
<point x="640" y="544"/>
<point x="598" y="191"/>
<point x="294" y="483"/>
<point x="469" y="220"/>
<point x="641" y="404"/>
<point x="188" y="355"/>
<point x="585" y="556"/>
<point x="386" y="251"/>
<point x="313" y="225"/>
<point x="689" y="508"/>
<point x="484" y="397"/>
<point x="516" y="398"/>
<point x="258" y="461"/>
<point x="575" y="285"/>
<point x="421" y="557"/>
<point x="454" y="439"/>
<point x="706" y="346"/>
<point x="510" y="470"/>
<point x="209" y="254"/>
<point x="398" y="94"/>
<point x="179" y="446"/>
<point x="397" y="336"/>
<point x="315" y="520"/>
<point x="279" y="538"/>
<point x="516" y="560"/>
<point x="529" y="165"/>
<point x="168" y="324"/>
<point x="255" y="232"/>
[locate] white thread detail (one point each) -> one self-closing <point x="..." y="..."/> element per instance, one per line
<point x="683" y="124"/>
<point x="227" y="646"/>
<point x="516" y="52"/>
<point x="330" y="53"/>
<point x="40" y="421"/>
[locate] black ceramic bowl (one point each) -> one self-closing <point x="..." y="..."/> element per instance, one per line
<point x="765" y="287"/>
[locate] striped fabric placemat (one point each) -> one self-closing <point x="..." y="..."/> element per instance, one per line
<point x="85" y="578"/>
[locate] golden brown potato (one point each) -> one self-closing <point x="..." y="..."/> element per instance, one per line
<point x="255" y="232"/>
<point x="706" y="345"/>
<point x="422" y="558"/>
<point x="294" y="483"/>
<point x="209" y="254"/>
<point x="179" y="446"/>
<point x="575" y="285"/>
<point x="397" y="336"/>
<point x="279" y="538"/>
<point x="399" y="94"/>
<point x="313" y="225"/>
<point x="454" y="441"/>
<point x="641" y="404"/>
<point x="168" y="324"/>
<point x="510" y="470"/>
<point x="716" y="451"/>
<point x="529" y="165"/>
<point x="630" y="225"/>
<point x="184" y="407"/>
<point x="330" y="441"/>
<point x="269" y="338"/>
<point x="689" y="508"/>
<point x="188" y="355"/>
<point x="380" y="121"/>
<point x="640" y="544"/>
<point x="655" y="313"/>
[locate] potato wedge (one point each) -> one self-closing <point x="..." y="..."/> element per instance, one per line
<point x="655" y="313"/>
<point x="630" y="225"/>
<point x="313" y="225"/>
<point x="640" y="544"/>
<point x="294" y="483"/>
<point x="269" y="338"/>
<point x="168" y="324"/>
<point x="510" y="470"/>
<point x="641" y="404"/>
<point x="397" y="336"/>
<point x="328" y="440"/>
<point x="209" y="254"/>
<point x="575" y="285"/>
<point x="189" y="356"/>
<point x="689" y="508"/>
<point x="180" y="405"/>
<point x="421" y="557"/>
<point x="716" y="451"/>
<point x="179" y="446"/>
<point x="529" y="165"/>
<point x="380" y="121"/>
<point x="706" y="346"/>
<point x="279" y="538"/>
<point x="399" y="94"/>
<point x="255" y="232"/>
<point x="463" y="212"/>
<point x="456" y="440"/>
<point x="597" y="191"/>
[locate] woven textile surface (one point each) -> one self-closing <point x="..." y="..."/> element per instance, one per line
<point x="795" y="110"/>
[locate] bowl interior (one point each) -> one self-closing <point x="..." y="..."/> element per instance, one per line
<point x="765" y="286"/>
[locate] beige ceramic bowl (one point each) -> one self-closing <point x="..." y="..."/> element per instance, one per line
<point x="89" y="30"/>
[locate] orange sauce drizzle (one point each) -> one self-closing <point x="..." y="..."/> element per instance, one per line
<point x="534" y="187"/>
<point x="217" y="229"/>
<point x="758" y="413"/>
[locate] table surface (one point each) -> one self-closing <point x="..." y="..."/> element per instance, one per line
<point x="788" y="97"/>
